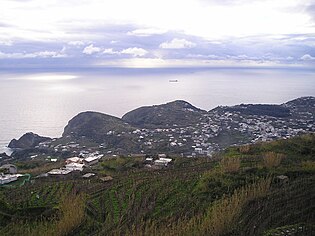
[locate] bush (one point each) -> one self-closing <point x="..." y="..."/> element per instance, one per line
<point x="244" y="149"/>
<point x="308" y="165"/>
<point x="272" y="159"/>
<point x="230" y="165"/>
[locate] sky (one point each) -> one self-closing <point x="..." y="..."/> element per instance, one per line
<point x="154" y="34"/>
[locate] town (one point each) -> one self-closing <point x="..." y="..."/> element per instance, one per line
<point x="205" y="134"/>
<point x="214" y="131"/>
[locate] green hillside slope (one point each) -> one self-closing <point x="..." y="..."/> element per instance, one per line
<point x="262" y="189"/>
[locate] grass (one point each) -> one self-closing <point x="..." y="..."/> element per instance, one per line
<point x="234" y="194"/>
<point x="272" y="159"/>
<point x="70" y="216"/>
<point x="40" y="167"/>
<point x="230" y="165"/>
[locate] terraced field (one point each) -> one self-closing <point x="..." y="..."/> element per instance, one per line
<point x="192" y="197"/>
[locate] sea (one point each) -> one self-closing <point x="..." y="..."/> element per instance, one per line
<point x="44" y="100"/>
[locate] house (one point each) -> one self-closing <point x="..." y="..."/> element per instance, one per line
<point x="4" y="179"/>
<point x="88" y="175"/>
<point x="74" y="166"/>
<point x="162" y="155"/>
<point x="148" y="160"/>
<point x="59" y="172"/>
<point x="106" y="178"/>
<point x="9" y="169"/>
<point x="74" y="160"/>
<point x="167" y="160"/>
<point x="92" y="160"/>
<point x="160" y="163"/>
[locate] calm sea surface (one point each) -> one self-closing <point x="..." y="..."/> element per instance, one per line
<point x="43" y="102"/>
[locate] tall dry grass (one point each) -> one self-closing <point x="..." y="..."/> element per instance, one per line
<point x="43" y="168"/>
<point x="72" y="214"/>
<point x="308" y="165"/>
<point x="71" y="208"/>
<point x="220" y="219"/>
<point x="244" y="149"/>
<point x="272" y="159"/>
<point x="230" y="164"/>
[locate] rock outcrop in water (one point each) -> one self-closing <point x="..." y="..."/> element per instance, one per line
<point x="28" y="140"/>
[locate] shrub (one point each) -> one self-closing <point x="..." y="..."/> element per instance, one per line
<point x="272" y="159"/>
<point x="244" y="149"/>
<point x="308" y="165"/>
<point x="230" y="165"/>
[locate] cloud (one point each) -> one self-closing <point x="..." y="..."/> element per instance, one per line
<point x="311" y="10"/>
<point x="89" y="50"/>
<point x="177" y="44"/>
<point x="6" y="42"/>
<point x="201" y="56"/>
<point x="76" y="18"/>
<point x="186" y="63"/>
<point x="307" y="57"/>
<point x="76" y="43"/>
<point x="50" y="54"/>
<point x="135" y="51"/>
<point x="146" y="32"/>
<point x="40" y="54"/>
<point x="110" y="51"/>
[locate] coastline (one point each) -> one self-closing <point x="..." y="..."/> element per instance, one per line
<point x="5" y="149"/>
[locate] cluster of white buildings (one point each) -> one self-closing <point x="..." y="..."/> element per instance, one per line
<point x="162" y="161"/>
<point x="77" y="164"/>
<point x="4" y="179"/>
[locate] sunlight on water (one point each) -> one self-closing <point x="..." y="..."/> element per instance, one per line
<point x="46" y="77"/>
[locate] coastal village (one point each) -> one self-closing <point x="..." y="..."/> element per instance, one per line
<point x="214" y="131"/>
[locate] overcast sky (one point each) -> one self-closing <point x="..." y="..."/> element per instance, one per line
<point x="159" y="33"/>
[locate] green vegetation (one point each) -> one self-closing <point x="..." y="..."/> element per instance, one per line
<point x="238" y="192"/>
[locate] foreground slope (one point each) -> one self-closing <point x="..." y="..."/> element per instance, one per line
<point x="238" y="192"/>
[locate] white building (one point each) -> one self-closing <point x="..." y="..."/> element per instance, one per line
<point x="162" y="155"/>
<point x="74" y="160"/>
<point x="162" y="162"/>
<point x="92" y="160"/>
<point x="59" y="172"/>
<point x="4" y="179"/>
<point x="74" y="166"/>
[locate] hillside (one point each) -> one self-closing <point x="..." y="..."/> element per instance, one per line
<point x="179" y="128"/>
<point x="261" y="189"/>
<point x="261" y="110"/>
<point x="93" y="129"/>
<point x="177" y="113"/>
<point x="94" y="125"/>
